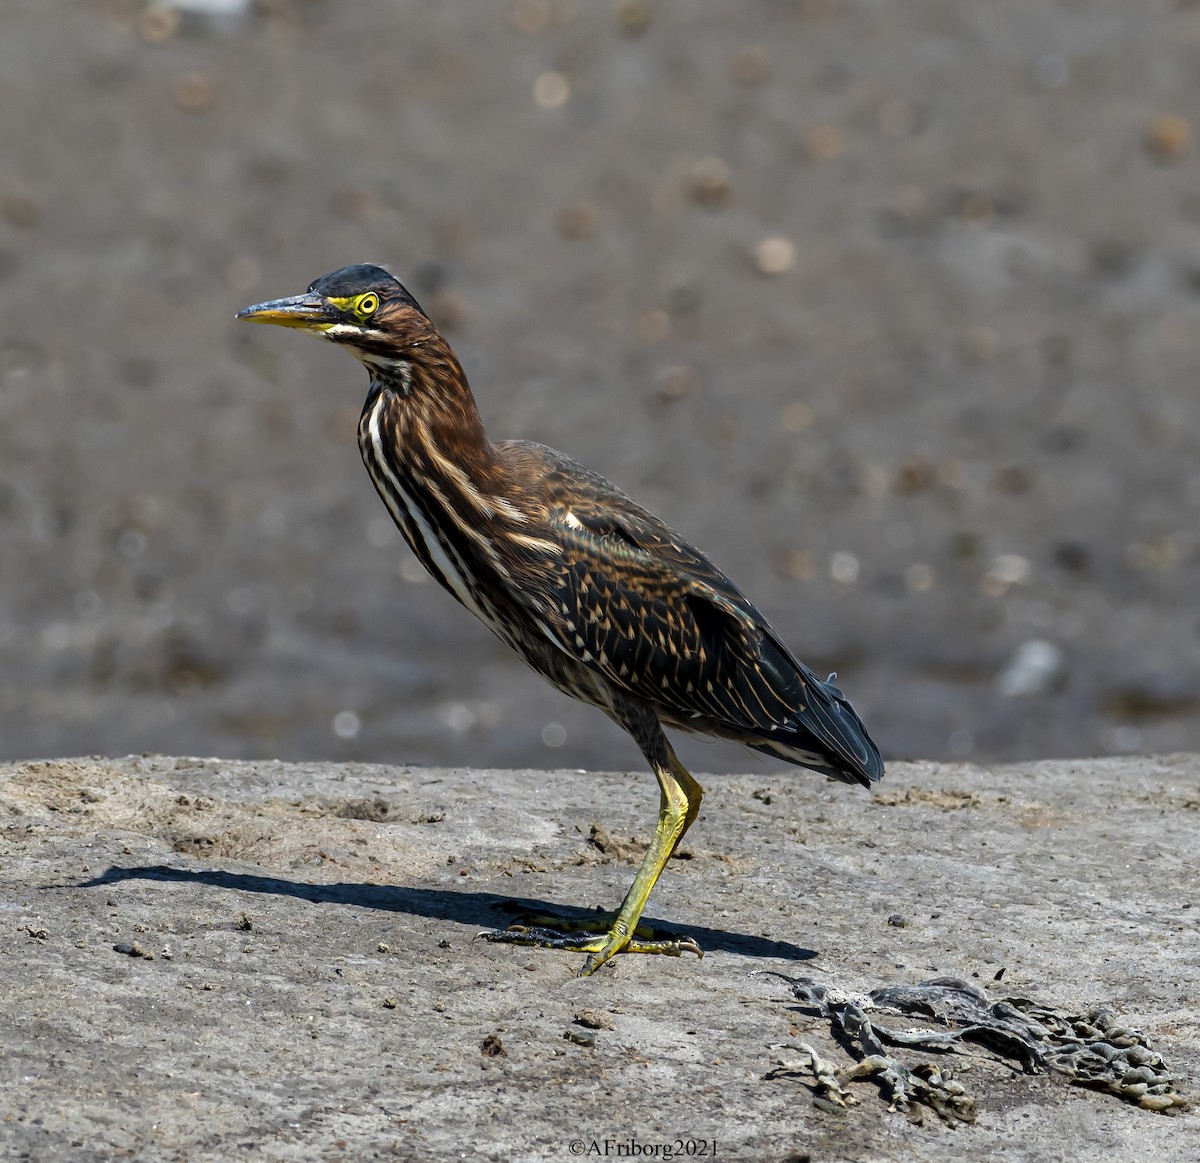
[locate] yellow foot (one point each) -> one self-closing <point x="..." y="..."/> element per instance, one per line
<point x="591" y="938"/>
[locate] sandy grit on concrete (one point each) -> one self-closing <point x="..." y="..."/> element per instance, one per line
<point x="206" y="959"/>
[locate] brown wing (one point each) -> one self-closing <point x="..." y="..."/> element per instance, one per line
<point x="631" y="599"/>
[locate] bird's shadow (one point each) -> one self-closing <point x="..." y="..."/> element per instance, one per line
<point x="482" y="910"/>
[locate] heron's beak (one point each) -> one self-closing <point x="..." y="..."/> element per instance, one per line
<point x="309" y="312"/>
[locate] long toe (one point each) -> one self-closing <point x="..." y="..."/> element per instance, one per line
<point x="599" y="923"/>
<point x="599" y="946"/>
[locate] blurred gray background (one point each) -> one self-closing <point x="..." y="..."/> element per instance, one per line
<point x="894" y="309"/>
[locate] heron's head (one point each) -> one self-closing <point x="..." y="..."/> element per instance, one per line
<point x="362" y="307"/>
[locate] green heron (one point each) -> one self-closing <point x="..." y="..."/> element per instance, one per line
<point x="595" y="593"/>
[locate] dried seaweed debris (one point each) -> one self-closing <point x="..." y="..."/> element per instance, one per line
<point x="1090" y="1049"/>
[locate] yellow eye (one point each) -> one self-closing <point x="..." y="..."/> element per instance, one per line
<point x="367" y="306"/>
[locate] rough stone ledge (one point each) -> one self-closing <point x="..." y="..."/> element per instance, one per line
<point x="207" y="959"/>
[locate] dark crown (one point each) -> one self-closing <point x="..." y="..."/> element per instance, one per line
<point x="359" y="279"/>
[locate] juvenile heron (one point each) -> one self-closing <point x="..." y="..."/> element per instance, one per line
<point x="595" y="593"/>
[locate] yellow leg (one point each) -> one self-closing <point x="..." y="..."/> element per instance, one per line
<point x="603" y="935"/>
<point x="675" y="814"/>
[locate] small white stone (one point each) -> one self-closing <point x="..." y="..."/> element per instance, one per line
<point x="1037" y="667"/>
<point x="346" y="724"/>
<point x="775" y="255"/>
<point x="554" y="734"/>
<point x="843" y="567"/>
<point x="551" y="90"/>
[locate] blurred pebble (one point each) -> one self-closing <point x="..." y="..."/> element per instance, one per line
<point x="1062" y="438"/>
<point x="346" y="724"/>
<point x="1168" y="136"/>
<point x="1013" y="568"/>
<point x="20" y="209"/>
<point x="554" y="734"/>
<point x="530" y="16"/>
<point x="819" y="10"/>
<point x="551" y="90"/>
<point x="459" y="717"/>
<point x="914" y="475"/>
<point x="277" y="12"/>
<point x="911" y="203"/>
<point x="796" y="416"/>
<point x="223" y="14"/>
<point x="1049" y="71"/>
<point x="634" y="17"/>
<point x="211" y="7"/>
<point x="1125" y="738"/>
<point x="708" y="182"/>
<point x="1012" y="479"/>
<point x="749" y="65"/>
<point x="1072" y="556"/>
<point x="412" y="571"/>
<point x="131" y="543"/>
<point x="873" y="481"/>
<point x="1008" y="570"/>
<point x="1114" y="257"/>
<point x="844" y="567"/>
<point x="775" y="255"/>
<point x="194" y="93"/>
<point x="1163" y="554"/>
<point x="823" y="143"/>
<point x="158" y="23"/>
<point x="88" y="603"/>
<point x="951" y="473"/>
<point x="594" y="1020"/>
<point x="797" y="564"/>
<point x="723" y="432"/>
<point x="652" y="326"/>
<point x="1176" y="330"/>
<point x="977" y="209"/>
<point x="684" y="298"/>
<point x="1036" y="668"/>
<point x="961" y="742"/>
<point x="919" y="577"/>
<point x="676" y="382"/>
<point x="979" y="343"/>
<point x="578" y="221"/>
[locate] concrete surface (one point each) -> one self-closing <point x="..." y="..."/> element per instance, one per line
<point x="205" y="959"/>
